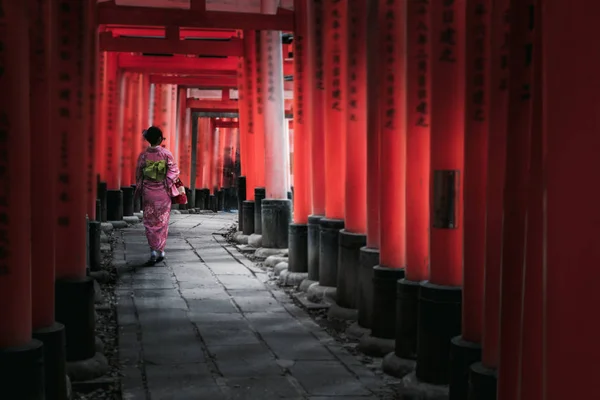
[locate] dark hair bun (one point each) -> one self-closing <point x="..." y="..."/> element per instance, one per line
<point x="153" y="134"/>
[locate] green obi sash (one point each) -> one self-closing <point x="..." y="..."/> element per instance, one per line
<point x="155" y="170"/>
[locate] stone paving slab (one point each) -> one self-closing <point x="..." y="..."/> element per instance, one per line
<point x="206" y="324"/>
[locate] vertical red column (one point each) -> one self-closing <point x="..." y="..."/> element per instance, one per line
<point x="140" y="122"/>
<point x="316" y="34"/>
<point x="570" y="98"/>
<point x="157" y="105"/>
<point x="440" y="297"/>
<point x="532" y="330"/>
<point x="483" y="375"/>
<point x="243" y="137"/>
<point x="418" y="53"/>
<point x="21" y="359"/>
<point x="369" y="255"/>
<point x="174" y="131"/>
<point x="43" y="162"/>
<point x="112" y="155"/>
<point x="93" y="130"/>
<point x="15" y="212"/>
<point x="259" y="123"/>
<point x="185" y="139"/>
<point x="69" y="123"/>
<point x="355" y="209"/>
<point x="302" y="130"/>
<point x="100" y="156"/>
<point x="335" y="52"/>
<point x="392" y="178"/>
<point x="75" y="290"/>
<point x="130" y="90"/>
<point x="466" y="349"/>
<point x="353" y="237"/>
<point x="518" y="151"/>
<point x="250" y="102"/>
<point x="314" y="40"/>
<point x="43" y="174"/>
<point x="200" y="156"/>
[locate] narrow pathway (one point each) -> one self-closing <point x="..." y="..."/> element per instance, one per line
<point x="204" y="325"/>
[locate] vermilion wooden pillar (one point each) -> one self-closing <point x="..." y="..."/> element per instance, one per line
<point x="314" y="40"/>
<point x="75" y="290"/>
<point x="440" y="297"/>
<point x="114" y="195"/>
<point x="276" y="212"/>
<point x="243" y="134"/>
<point x="174" y="131"/>
<point x="418" y="53"/>
<point x="483" y="375"/>
<point x="100" y="144"/>
<point x="369" y="255"/>
<point x="130" y="91"/>
<point x="335" y="51"/>
<point x="392" y="179"/>
<point x="518" y="151"/>
<point x="532" y="330"/>
<point x="250" y="102"/>
<point x="140" y="119"/>
<point x="466" y="348"/>
<point x="570" y="98"/>
<point x="185" y="140"/>
<point x="353" y="237"/>
<point x="92" y="121"/>
<point x="302" y="128"/>
<point x="21" y="358"/>
<point x="259" y="133"/>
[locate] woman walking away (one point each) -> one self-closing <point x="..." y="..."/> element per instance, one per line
<point x="156" y="174"/>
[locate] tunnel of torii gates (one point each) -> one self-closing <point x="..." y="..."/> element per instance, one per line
<point x="442" y="159"/>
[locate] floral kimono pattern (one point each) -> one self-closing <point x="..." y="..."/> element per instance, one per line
<point x="156" y="173"/>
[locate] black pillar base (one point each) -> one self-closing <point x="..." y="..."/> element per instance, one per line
<point x="259" y="195"/>
<point x="55" y="363"/>
<point x="22" y="372"/>
<point x="385" y="281"/>
<point x="248" y="215"/>
<point x="298" y="248"/>
<point x="329" y="251"/>
<point x="212" y="203"/>
<point x="199" y="199"/>
<point x="439" y="321"/>
<point x="114" y="204"/>
<point x="368" y="259"/>
<point x="314" y="235"/>
<point x="276" y="217"/>
<point x="220" y="200"/>
<point x="482" y="383"/>
<point x="75" y="310"/>
<point x="188" y="195"/>
<point x="407" y="311"/>
<point x="94" y="245"/>
<point x="137" y="202"/>
<point x="98" y="210"/>
<point x="127" y="201"/>
<point x="206" y="197"/>
<point x="102" y="196"/>
<point x="463" y="354"/>
<point x="348" y="268"/>
<point x="241" y="198"/>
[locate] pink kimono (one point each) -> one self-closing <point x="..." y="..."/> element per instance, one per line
<point x="156" y="193"/>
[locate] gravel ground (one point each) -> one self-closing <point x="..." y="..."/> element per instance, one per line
<point x="106" y="330"/>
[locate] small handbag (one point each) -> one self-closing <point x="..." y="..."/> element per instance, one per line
<point x="178" y="195"/>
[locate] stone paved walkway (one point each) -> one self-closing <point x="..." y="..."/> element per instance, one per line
<point x="205" y="325"/>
